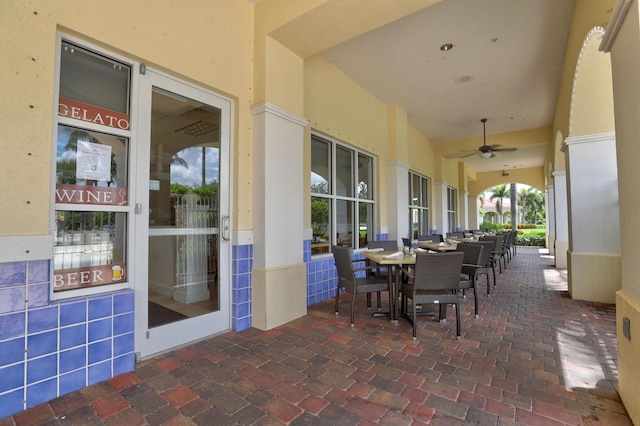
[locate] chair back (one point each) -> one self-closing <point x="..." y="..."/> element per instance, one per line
<point x="455" y="234"/>
<point x="438" y="271"/>
<point x="428" y="238"/>
<point x="344" y="266"/>
<point x="485" y="256"/>
<point x="437" y="238"/>
<point x="471" y="252"/>
<point x="385" y="245"/>
<point x="498" y="241"/>
<point x="406" y="242"/>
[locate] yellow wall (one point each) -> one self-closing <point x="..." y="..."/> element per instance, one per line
<point x="339" y="108"/>
<point x="586" y="15"/>
<point x="134" y="30"/>
<point x="592" y="104"/>
<point x="422" y="157"/>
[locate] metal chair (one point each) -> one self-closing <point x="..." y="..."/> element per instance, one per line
<point x="436" y="279"/>
<point x="349" y="282"/>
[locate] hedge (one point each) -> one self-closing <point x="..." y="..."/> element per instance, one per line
<point x="531" y="240"/>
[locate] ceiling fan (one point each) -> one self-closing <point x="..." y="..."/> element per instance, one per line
<point x="487" y="151"/>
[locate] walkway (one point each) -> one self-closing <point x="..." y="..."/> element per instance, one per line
<point x="533" y="357"/>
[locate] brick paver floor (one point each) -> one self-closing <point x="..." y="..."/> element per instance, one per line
<point x="534" y="356"/>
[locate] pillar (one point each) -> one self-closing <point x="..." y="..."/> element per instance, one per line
<point x="593" y="258"/>
<point x="279" y="272"/>
<point x="398" y="184"/>
<point x="561" y="218"/>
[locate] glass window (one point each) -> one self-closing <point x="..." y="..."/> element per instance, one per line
<point x="320" y="166"/>
<point x="89" y="159"/>
<point x="451" y="209"/>
<point x="344" y="172"/>
<point x="90" y="249"/>
<point x="341" y="214"/>
<point x="91" y="187"/>
<point x="92" y="79"/>
<point x="418" y="205"/>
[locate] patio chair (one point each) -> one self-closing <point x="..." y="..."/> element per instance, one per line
<point x="498" y="251"/>
<point x="470" y="261"/>
<point x="358" y="280"/>
<point x="436" y="238"/>
<point x="484" y="264"/>
<point x="436" y="279"/>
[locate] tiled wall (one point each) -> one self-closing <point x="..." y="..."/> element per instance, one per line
<point x="49" y="349"/>
<point x="241" y="308"/>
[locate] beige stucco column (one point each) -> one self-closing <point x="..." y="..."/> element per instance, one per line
<point x="593" y="258"/>
<point x="439" y="211"/>
<point x="398" y="184"/>
<point x="561" y="218"/>
<point x="279" y="272"/>
<point x="473" y="216"/>
<point x="551" y="218"/>
<point x="622" y="39"/>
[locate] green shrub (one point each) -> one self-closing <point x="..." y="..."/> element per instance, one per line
<point x="531" y="240"/>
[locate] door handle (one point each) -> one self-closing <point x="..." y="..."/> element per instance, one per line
<point x="225" y="228"/>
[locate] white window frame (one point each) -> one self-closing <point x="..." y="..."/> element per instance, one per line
<point x="89" y="126"/>
<point x="417" y="207"/>
<point x="333" y="198"/>
<point x="451" y="208"/>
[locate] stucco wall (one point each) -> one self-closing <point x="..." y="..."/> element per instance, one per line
<point x="29" y="28"/>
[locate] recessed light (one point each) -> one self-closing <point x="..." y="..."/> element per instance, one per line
<point x="446" y="47"/>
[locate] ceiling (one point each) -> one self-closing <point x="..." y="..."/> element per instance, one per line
<point x="505" y="65"/>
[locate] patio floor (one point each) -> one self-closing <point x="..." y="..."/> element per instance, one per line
<point x="534" y="356"/>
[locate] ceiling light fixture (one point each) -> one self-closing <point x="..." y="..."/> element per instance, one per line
<point x="446" y="47"/>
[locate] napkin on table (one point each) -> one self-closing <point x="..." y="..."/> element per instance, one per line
<point x="394" y="255"/>
<point x="375" y="249"/>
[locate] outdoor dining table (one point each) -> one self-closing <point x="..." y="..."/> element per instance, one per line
<point x="437" y="246"/>
<point x="395" y="259"/>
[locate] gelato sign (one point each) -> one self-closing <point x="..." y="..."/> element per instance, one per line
<point x="92" y="114"/>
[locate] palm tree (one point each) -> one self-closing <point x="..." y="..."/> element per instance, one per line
<point x="499" y="192"/>
<point x="532" y="202"/>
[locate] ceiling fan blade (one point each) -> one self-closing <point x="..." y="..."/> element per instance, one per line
<point x="462" y="154"/>
<point x="470" y="154"/>
<point x="505" y="149"/>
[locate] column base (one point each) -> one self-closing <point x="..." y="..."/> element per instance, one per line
<point x="595" y="277"/>
<point x="279" y="295"/>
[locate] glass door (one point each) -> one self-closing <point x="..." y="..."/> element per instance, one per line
<point x="182" y="294"/>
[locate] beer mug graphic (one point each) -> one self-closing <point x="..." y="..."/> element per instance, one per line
<point x="117" y="272"/>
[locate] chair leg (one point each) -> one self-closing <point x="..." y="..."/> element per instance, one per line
<point x="353" y="308"/>
<point x="488" y="283"/>
<point x="369" y="300"/>
<point x="457" y="307"/>
<point x="443" y="312"/>
<point x="415" y="318"/>
<point x="475" y="299"/>
<point x="337" y="298"/>
<point x="378" y="298"/>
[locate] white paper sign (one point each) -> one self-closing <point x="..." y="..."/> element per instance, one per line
<point x="93" y="161"/>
